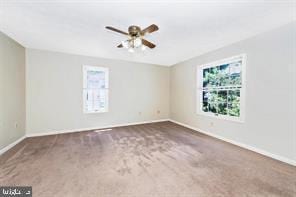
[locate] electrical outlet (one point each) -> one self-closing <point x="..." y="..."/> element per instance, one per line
<point x="158" y="111"/>
<point x="212" y="124"/>
<point x="16" y="125"/>
<point x="140" y="113"/>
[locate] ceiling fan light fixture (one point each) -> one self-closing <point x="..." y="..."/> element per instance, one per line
<point x="125" y="44"/>
<point x="143" y="47"/>
<point x="137" y="42"/>
<point x="136" y="38"/>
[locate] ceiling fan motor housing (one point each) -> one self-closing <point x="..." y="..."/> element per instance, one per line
<point x="134" y="31"/>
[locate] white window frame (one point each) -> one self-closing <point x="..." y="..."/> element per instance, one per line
<point x="86" y="68"/>
<point x="199" y="89"/>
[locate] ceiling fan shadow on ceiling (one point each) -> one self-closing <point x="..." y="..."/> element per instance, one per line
<point x="136" y="37"/>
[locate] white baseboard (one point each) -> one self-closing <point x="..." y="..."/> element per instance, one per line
<point x="93" y="128"/>
<point x="6" y="148"/>
<point x="257" y="150"/>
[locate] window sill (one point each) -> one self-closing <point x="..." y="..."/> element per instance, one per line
<point x="221" y="117"/>
<point x="95" y="112"/>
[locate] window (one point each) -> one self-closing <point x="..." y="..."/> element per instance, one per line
<point x="95" y="89"/>
<point x="221" y="88"/>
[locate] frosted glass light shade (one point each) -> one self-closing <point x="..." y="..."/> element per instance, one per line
<point x="137" y="42"/>
<point x="143" y="47"/>
<point x="125" y="44"/>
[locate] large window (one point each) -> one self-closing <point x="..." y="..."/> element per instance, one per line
<point x="95" y="89"/>
<point x="221" y="88"/>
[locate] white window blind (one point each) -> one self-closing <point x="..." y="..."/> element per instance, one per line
<point x="95" y="89"/>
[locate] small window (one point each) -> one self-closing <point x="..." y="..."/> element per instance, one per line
<point x="95" y="89"/>
<point x="221" y="88"/>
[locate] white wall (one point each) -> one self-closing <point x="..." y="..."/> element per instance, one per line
<point x="54" y="92"/>
<point x="270" y="93"/>
<point x="12" y="91"/>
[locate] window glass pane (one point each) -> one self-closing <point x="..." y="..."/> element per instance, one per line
<point x="222" y="96"/>
<point x="205" y="77"/>
<point x="96" y="106"/>
<point x="222" y="108"/>
<point x="212" y="101"/>
<point x="96" y="94"/>
<point x="95" y="79"/>
<point x="103" y="98"/>
<point x="205" y="96"/>
<point x="233" y="96"/>
<point x="100" y="100"/>
<point x="205" y="106"/>
<point x="212" y="76"/>
<point x="213" y="107"/>
<point x="235" y="73"/>
<point x="212" y="96"/>
<point x="234" y="103"/>
<point x="88" y="104"/>
<point x="89" y="95"/>
<point x="223" y="75"/>
<point x="205" y="103"/>
<point x="233" y="109"/>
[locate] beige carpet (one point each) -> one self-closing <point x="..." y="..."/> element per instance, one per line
<point x="160" y="159"/>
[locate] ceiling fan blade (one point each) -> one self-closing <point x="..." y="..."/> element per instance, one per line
<point x="150" y="29"/>
<point x="148" y="44"/>
<point x="120" y="46"/>
<point x="116" y="30"/>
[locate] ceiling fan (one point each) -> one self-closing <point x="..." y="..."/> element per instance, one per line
<point x="135" y="37"/>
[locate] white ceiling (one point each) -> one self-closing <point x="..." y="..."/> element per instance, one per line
<point x="186" y="29"/>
